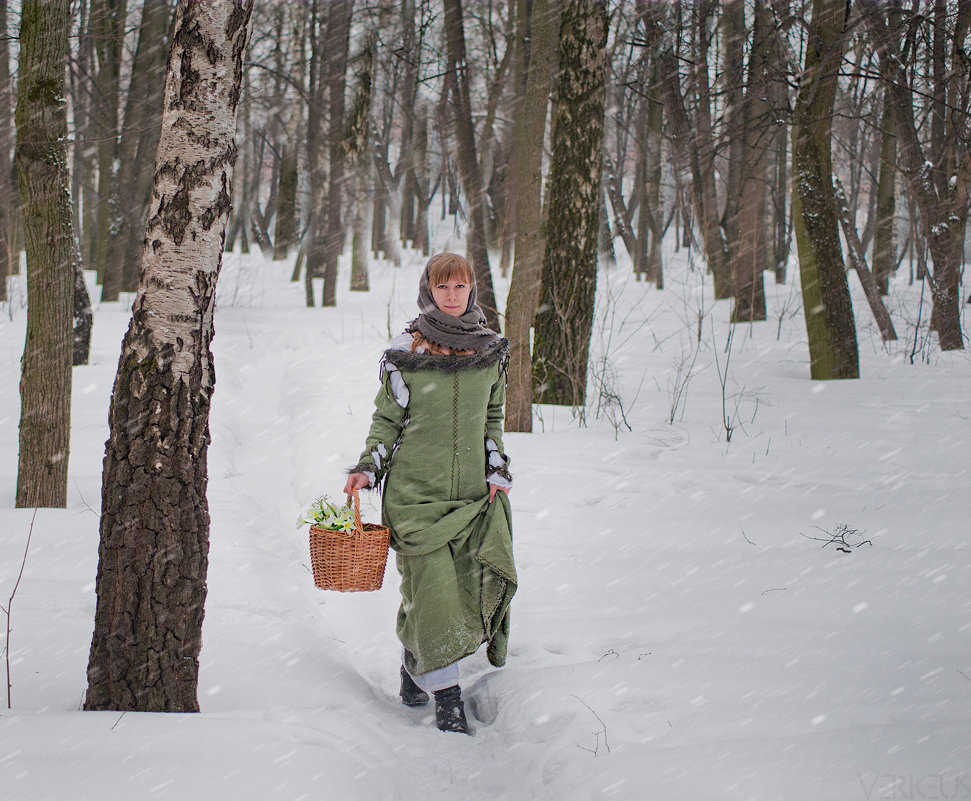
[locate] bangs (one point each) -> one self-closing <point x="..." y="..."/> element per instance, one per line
<point x="449" y="267"/>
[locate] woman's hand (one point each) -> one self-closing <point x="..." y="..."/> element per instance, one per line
<point x="356" y="481"/>
<point x="494" y="488"/>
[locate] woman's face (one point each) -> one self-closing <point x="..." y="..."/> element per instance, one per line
<point x="452" y="296"/>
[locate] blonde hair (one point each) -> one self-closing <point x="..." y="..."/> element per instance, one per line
<point x="419" y="343"/>
<point x="444" y="267"/>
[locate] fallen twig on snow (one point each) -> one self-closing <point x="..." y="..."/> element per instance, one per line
<point x="597" y="734"/>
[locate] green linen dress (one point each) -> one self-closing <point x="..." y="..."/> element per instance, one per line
<point x="435" y="440"/>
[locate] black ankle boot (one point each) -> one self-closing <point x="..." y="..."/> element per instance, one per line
<point x="450" y="710"/>
<point x="411" y="694"/>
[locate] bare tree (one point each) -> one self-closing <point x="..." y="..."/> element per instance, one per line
<point x="153" y="555"/>
<point x="692" y="139"/>
<point x="826" y="296"/>
<point x="45" y="382"/>
<point x="939" y="176"/>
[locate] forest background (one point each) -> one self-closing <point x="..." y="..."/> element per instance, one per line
<point x="738" y="129"/>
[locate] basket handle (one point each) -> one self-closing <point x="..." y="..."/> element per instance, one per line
<point x="353" y="494"/>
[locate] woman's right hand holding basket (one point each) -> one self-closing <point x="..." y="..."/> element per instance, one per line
<point x="356" y="481"/>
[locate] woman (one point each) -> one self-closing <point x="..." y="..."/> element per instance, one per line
<point x="436" y="442"/>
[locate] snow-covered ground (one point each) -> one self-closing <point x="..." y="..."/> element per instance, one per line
<point x="682" y="628"/>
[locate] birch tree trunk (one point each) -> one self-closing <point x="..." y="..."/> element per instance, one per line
<point x="153" y="556"/>
<point x="565" y="316"/>
<point x="45" y="379"/>
<point x="826" y="295"/>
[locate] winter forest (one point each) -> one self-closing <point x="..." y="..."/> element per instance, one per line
<point x="726" y="241"/>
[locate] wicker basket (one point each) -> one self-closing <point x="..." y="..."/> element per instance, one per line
<point x="349" y="562"/>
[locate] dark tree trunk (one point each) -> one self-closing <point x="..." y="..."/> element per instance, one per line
<point x="749" y="246"/>
<point x="536" y="60"/>
<point x="884" y="253"/>
<point x="153" y="556"/>
<point x="702" y="144"/>
<point x="778" y="93"/>
<point x="825" y="291"/>
<point x="83" y="317"/>
<point x="316" y="242"/>
<point x="565" y="316"/>
<point x="423" y="190"/>
<point x="81" y="157"/>
<point x="477" y="240"/>
<point x="137" y="145"/>
<point x="410" y="57"/>
<point x="338" y="43"/>
<point x="45" y="381"/>
<point x="108" y="35"/>
<point x="653" y="208"/>
<point x="857" y="256"/>
<point x="285" y="229"/>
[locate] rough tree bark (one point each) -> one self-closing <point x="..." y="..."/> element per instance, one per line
<point x="45" y="380"/>
<point x="538" y="22"/>
<point x="565" y="315"/>
<point x="153" y="556"/>
<point x="830" y="327"/>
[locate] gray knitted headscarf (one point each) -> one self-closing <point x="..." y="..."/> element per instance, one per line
<point x="468" y="332"/>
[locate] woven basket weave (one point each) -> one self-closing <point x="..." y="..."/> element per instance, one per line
<point x="349" y="562"/>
